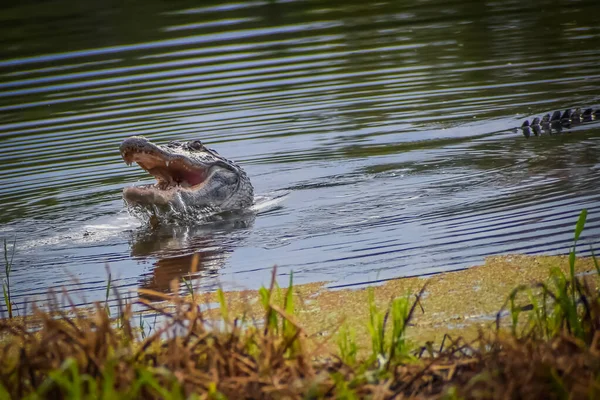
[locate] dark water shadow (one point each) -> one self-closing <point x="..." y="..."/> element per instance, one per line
<point x="173" y="248"/>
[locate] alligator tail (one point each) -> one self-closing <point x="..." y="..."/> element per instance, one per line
<point x="555" y="123"/>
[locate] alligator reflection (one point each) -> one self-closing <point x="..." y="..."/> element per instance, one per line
<point x="174" y="246"/>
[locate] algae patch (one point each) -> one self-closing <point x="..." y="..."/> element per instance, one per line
<point x="456" y="303"/>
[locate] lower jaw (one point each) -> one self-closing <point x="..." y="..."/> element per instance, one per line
<point x="148" y="195"/>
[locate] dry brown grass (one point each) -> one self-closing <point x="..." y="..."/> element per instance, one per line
<point x="552" y="351"/>
<point x="85" y="355"/>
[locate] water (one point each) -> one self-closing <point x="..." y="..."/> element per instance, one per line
<point x="389" y="124"/>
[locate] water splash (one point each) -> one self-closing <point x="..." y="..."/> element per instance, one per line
<point x="180" y="213"/>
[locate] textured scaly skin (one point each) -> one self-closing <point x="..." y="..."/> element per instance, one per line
<point x="555" y="123"/>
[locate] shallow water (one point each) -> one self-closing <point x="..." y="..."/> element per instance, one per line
<point x="389" y="124"/>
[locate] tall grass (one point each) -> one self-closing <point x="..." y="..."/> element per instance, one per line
<point x="347" y="346"/>
<point x="390" y="345"/>
<point x="563" y="305"/>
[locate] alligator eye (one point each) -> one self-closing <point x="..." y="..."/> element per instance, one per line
<point x="196" y="145"/>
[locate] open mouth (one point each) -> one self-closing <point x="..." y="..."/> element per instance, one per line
<point x="173" y="173"/>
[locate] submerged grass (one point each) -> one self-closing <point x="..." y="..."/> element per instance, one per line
<point x="551" y="350"/>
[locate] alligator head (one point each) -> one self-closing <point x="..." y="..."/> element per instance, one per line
<point x="187" y="175"/>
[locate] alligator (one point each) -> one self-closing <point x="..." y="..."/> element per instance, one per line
<point x="555" y="123"/>
<point x="188" y="175"/>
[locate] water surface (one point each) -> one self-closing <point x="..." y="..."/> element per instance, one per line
<point x="390" y="124"/>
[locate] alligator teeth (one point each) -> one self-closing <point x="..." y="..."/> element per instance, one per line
<point x="126" y="158"/>
<point x="167" y="163"/>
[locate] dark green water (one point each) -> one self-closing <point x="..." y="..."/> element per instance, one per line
<point x="390" y="124"/>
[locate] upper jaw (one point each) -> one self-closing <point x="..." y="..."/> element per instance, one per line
<point x="133" y="147"/>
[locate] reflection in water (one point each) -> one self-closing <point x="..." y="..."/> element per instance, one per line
<point x="390" y="123"/>
<point x="173" y="247"/>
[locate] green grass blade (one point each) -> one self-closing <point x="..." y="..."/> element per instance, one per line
<point x="289" y="296"/>
<point x="8" y="263"/>
<point x="108" y="381"/>
<point x="142" y="326"/>
<point x="6" y="294"/>
<point x="578" y="229"/>
<point x="346" y="341"/>
<point x="189" y="286"/>
<point x="572" y="265"/>
<point x="271" y="322"/>
<point x="108" y="284"/>
<point x="147" y="378"/>
<point x="213" y="392"/>
<point x="67" y="378"/>
<point x="7" y="270"/>
<point x="4" y="393"/>
<point x="288" y="305"/>
<point x="223" y="306"/>
<point x="580" y="224"/>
